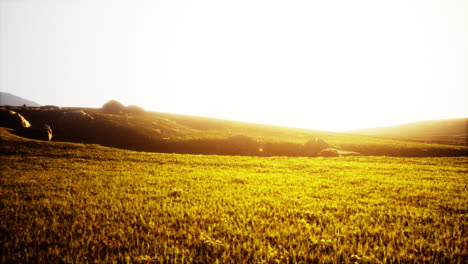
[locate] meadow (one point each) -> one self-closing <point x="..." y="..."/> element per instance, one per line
<point x="83" y="203"/>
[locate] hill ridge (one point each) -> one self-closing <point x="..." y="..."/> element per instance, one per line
<point x="446" y="131"/>
<point x="175" y="133"/>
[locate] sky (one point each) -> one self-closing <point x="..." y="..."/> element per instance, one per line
<point x="332" y="65"/>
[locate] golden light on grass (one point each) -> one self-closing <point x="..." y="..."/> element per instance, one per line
<point x="139" y="207"/>
<point x="151" y="179"/>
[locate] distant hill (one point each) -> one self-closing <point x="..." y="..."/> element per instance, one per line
<point x="13" y="100"/>
<point x="448" y="131"/>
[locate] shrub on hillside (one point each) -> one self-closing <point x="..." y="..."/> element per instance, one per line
<point x="314" y="146"/>
<point x="113" y="107"/>
<point x="50" y="107"/>
<point x="134" y="109"/>
<point x="242" y="145"/>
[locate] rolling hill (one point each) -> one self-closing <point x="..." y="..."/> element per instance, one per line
<point x="13" y="100"/>
<point x="448" y="131"/>
<point x="173" y="133"/>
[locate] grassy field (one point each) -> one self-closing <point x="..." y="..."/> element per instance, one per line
<point x="78" y="203"/>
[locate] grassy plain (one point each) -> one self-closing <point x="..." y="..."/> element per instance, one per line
<point x="78" y="203"/>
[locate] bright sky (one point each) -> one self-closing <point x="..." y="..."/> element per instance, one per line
<point x="330" y="65"/>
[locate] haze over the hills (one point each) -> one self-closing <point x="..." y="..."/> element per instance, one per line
<point x="327" y="65"/>
<point x="448" y="131"/>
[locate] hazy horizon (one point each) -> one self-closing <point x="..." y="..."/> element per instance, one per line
<point x="332" y="66"/>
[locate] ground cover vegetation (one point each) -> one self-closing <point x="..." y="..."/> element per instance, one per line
<point x="82" y="203"/>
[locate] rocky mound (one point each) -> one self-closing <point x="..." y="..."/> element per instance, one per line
<point x="16" y="121"/>
<point x="13" y="120"/>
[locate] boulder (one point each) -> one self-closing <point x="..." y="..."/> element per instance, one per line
<point x="13" y="120"/>
<point x="43" y="132"/>
<point x="329" y="152"/>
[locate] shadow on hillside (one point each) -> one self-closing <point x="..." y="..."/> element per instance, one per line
<point x="69" y="125"/>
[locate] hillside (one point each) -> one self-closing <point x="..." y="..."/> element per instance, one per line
<point x="448" y="131"/>
<point x="13" y="100"/>
<point x="172" y="133"/>
<point x="82" y="203"/>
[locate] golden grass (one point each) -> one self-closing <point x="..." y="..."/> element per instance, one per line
<point x="76" y="203"/>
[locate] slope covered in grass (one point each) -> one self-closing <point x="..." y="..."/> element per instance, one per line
<point x="448" y="131"/>
<point x="80" y="203"/>
<point x="171" y="133"/>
